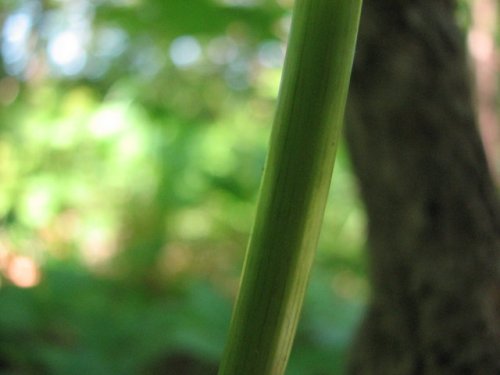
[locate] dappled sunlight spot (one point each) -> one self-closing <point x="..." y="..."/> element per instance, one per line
<point x="67" y="52"/>
<point x="131" y="146"/>
<point x="9" y="90"/>
<point x="17" y="27"/>
<point x="481" y="45"/>
<point x="185" y="51"/>
<point x="98" y="246"/>
<point x="108" y="121"/>
<point x="23" y="272"/>
<point x="484" y="51"/>
<point x="348" y="285"/>
<point x="15" y="35"/>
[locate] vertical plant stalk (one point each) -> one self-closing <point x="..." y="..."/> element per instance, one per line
<point x="295" y="186"/>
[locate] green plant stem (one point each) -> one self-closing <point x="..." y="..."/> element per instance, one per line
<point x="295" y="186"/>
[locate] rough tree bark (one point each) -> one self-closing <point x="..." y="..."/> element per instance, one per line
<point x="434" y="217"/>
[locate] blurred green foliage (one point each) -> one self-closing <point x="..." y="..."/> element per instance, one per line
<point x="132" y="140"/>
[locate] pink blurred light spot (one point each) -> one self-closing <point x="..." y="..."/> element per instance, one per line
<point x="23" y="272"/>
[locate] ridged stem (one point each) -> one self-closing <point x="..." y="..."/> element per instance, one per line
<point x="295" y="186"/>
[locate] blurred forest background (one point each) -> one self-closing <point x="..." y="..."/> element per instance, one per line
<point x="132" y="140"/>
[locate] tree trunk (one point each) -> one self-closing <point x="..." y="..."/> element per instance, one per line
<point x="434" y="217"/>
